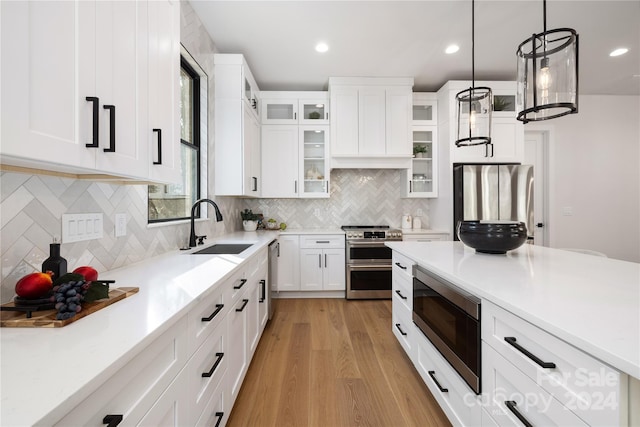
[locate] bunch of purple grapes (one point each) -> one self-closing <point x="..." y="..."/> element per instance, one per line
<point x="68" y="298"/>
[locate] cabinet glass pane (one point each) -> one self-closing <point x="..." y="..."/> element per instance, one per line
<point x="504" y="103"/>
<point x="422" y="143"/>
<point x="247" y="89"/>
<point x="422" y="112"/>
<point x="279" y="111"/>
<point x="314" y="161"/>
<point x="314" y="111"/>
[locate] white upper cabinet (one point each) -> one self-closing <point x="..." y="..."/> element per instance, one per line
<point x="285" y="108"/>
<point x="424" y="109"/>
<point x="370" y="122"/>
<point x="75" y="95"/>
<point x="237" y="128"/>
<point x="507" y="133"/>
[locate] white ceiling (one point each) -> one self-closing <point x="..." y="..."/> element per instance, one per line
<point x="408" y="38"/>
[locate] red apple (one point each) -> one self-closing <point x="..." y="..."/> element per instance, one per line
<point x="90" y="274"/>
<point x="34" y="285"/>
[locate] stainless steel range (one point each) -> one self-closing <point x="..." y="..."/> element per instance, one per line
<point x="369" y="260"/>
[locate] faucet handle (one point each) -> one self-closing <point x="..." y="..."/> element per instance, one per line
<point x="201" y="239"/>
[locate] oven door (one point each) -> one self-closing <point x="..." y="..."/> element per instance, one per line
<point x="369" y="281"/>
<point x="450" y="319"/>
<point x="368" y="253"/>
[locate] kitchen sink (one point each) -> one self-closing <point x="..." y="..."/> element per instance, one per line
<point x="225" y="248"/>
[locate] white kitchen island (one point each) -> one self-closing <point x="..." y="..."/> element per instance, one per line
<point x="576" y="301"/>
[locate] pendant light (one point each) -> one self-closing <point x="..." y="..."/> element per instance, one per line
<point x="474" y="105"/>
<point x="548" y="74"/>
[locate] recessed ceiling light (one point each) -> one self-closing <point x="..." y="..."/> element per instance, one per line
<point x="322" y="47"/>
<point x="452" y="49"/>
<point x="619" y="51"/>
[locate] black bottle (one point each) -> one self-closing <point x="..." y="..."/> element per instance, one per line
<point x="55" y="262"/>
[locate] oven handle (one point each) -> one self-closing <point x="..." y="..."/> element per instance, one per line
<point x="377" y="244"/>
<point x="379" y="267"/>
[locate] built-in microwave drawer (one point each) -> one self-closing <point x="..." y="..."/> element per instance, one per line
<point x="588" y="387"/>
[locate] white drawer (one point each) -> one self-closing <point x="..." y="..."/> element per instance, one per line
<point x="403" y="266"/>
<point x="402" y="292"/>
<point x="208" y="314"/>
<point x="134" y="389"/>
<point x="218" y="408"/>
<point x="504" y="385"/>
<point x="313" y="241"/>
<point x="591" y="389"/>
<point x="238" y="284"/>
<point x="403" y="328"/>
<point x="461" y="405"/>
<point x="206" y="369"/>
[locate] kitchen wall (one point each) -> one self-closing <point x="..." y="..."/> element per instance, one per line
<point x="32" y="206"/>
<point x="358" y="196"/>
<point x="594" y="169"/>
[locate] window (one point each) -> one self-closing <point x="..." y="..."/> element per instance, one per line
<point x="173" y="202"/>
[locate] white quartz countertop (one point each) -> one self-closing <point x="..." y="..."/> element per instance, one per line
<point x="46" y="372"/>
<point x="590" y="302"/>
<point x="422" y="231"/>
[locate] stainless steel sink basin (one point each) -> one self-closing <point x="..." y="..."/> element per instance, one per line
<point x="225" y="248"/>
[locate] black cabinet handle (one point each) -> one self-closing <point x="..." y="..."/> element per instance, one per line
<point x="295" y="116"/>
<point x="539" y="225"/>
<point x="215" y="365"/>
<point x="220" y="415"/>
<point x="401" y="266"/>
<point x="263" y="283"/>
<point x="400" y="295"/>
<point x="432" y="374"/>
<point x="159" y="132"/>
<point x="512" y="342"/>
<point x="255" y="183"/>
<point x="112" y="420"/>
<point x="410" y="186"/>
<point x="112" y="128"/>
<point x="325" y="260"/>
<point x="511" y="405"/>
<point x="491" y="149"/>
<point x="95" y="131"/>
<point x="217" y="310"/>
<point x="323" y="241"/>
<point x="400" y="329"/>
<point x="244" y="304"/>
<point x="242" y="282"/>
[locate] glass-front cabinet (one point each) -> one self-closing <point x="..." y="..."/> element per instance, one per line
<point x="291" y="108"/>
<point x="424" y="108"/>
<point x="421" y="178"/>
<point x="314" y="165"/>
<point x="279" y="111"/>
<point x="314" y="111"/>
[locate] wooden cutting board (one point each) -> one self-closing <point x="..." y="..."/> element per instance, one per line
<point x="47" y="318"/>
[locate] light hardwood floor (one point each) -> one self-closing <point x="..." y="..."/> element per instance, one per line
<point x="330" y="363"/>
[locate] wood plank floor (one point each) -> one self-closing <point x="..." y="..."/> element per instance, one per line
<point x="331" y="363"/>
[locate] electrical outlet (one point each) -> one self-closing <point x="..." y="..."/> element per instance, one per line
<point x="419" y="212"/>
<point x="316" y="212"/>
<point x="121" y="225"/>
<point x="79" y="227"/>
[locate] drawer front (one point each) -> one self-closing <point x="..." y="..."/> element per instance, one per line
<point x="403" y="328"/>
<point x="402" y="292"/>
<point x="208" y="314"/>
<point x="593" y="390"/>
<point x="511" y="397"/>
<point x="461" y="405"/>
<point x="170" y="410"/>
<point x="238" y="284"/>
<point x="206" y="369"/>
<point x="313" y="241"/>
<point x="218" y="408"/>
<point x="403" y="267"/>
<point x="133" y="390"/>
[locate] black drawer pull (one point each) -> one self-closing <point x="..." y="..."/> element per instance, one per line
<point x="95" y="131"/>
<point x="112" y="128"/>
<point x="511" y="405"/>
<point x="215" y="365"/>
<point x="400" y="295"/>
<point x="220" y="415"/>
<point x="217" y="310"/>
<point x="159" y="132"/>
<point x="323" y="241"/>
<point x="512" y="342"/>
<point x="112" y="420"/>
<point x="432" y="374"/>
<point x="400" y="329"/>
<point x="263" y="283"/>
<point x="255" y="183"/>
<point x="244" y="304"/>
<point x="242" y="282"/>
<point x="401" y="266"/>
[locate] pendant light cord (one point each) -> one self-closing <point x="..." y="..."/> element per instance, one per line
<point x="473" y="50"/>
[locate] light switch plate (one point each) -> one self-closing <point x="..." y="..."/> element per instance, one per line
<point x="121" y="225"/>
<point x="79" y="227"/>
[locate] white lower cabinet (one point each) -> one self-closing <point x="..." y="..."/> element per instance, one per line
<point x="322" y="263"/>
<point x="288" y="264"/>
<point x="170" y="410"/>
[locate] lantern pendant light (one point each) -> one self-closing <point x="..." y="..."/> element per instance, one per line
<point x="474" y="105"/>
<point x="548" y="74"/>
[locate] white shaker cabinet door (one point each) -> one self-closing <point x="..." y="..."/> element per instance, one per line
<point x="280" y="161"/>
<point x="48" y="68"/>
<point x="311" y="272"/>
<point x="334" y="269"/>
